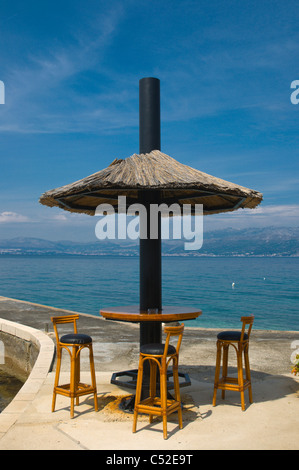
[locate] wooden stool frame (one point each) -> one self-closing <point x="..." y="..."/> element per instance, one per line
<point x="75" y="388"/>
<point x="163" y="405"/>
<point x="241" y="347"/>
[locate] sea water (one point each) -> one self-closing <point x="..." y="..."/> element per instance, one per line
<point x="223" y="288"/>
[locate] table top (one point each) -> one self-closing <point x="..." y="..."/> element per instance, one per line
<point x="132" y="313"/>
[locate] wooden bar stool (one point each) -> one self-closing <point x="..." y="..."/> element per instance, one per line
<point x="240" y="342"/>
<point x="73" y="343"/>
<point x="160" y="355"/>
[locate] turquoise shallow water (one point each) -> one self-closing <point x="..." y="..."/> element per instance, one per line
<point x="265" y="287"/>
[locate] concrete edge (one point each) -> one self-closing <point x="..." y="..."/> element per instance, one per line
<point x="49" y="307"/>
<point x="38" y="375"/>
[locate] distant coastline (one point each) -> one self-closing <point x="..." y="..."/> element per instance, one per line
<point x="275" y="242"/>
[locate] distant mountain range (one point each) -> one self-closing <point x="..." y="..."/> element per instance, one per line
<point x="270" y="241"/>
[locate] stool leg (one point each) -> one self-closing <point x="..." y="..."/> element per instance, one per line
<point x="240" y="376"/>
<point x="93" y="377"/>
<point x="153" y="383"/>
<point x="217" y="372"/>
<point x="177" y="390"/>
<point x="73" y="379"/>
<point x="224" y="368"/>
<point x="247" y="369"/>
<point x="163" y="388"/>
<point x="56" y="377"/>
<point x="138" y="393"/>
<point x="77" y="374"/>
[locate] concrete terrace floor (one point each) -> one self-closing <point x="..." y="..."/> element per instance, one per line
<point x="270" y="423"/>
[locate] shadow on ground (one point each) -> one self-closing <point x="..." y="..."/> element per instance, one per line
<point x="282" y="385"/>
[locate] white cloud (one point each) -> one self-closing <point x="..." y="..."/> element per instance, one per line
<point x="286" y="215"/>
<point x="12" y="217"/>
<point x="59" y="217"/>
<point x="285" y="210"/>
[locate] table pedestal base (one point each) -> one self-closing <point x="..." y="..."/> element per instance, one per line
<point x="127" y="404"/>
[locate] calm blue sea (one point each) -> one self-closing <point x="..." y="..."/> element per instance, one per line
<point x="265" y="287"/>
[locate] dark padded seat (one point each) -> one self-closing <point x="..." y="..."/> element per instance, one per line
<point x="157" y="349"/>
<point x="74" y="338"/>
<point x="231" y="336"/>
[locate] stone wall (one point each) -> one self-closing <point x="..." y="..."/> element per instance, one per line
<point x="17" y="355"/>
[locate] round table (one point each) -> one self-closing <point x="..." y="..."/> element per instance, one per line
<point x="132" y="313"/>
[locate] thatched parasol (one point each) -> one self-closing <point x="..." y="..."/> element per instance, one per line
<point x="151" y="177"/>
<point x="176" y="183"/>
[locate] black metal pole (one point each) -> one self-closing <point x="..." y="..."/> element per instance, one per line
<point x="150" y="250"/>
<point x="149" y="115"/>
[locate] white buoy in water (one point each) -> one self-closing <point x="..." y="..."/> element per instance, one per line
<point x="233" y="285"/>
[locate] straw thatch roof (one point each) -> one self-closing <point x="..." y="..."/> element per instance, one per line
<point x="176" y="182"/>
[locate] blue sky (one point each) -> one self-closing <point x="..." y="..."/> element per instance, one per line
<point x="71" y="72"/>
